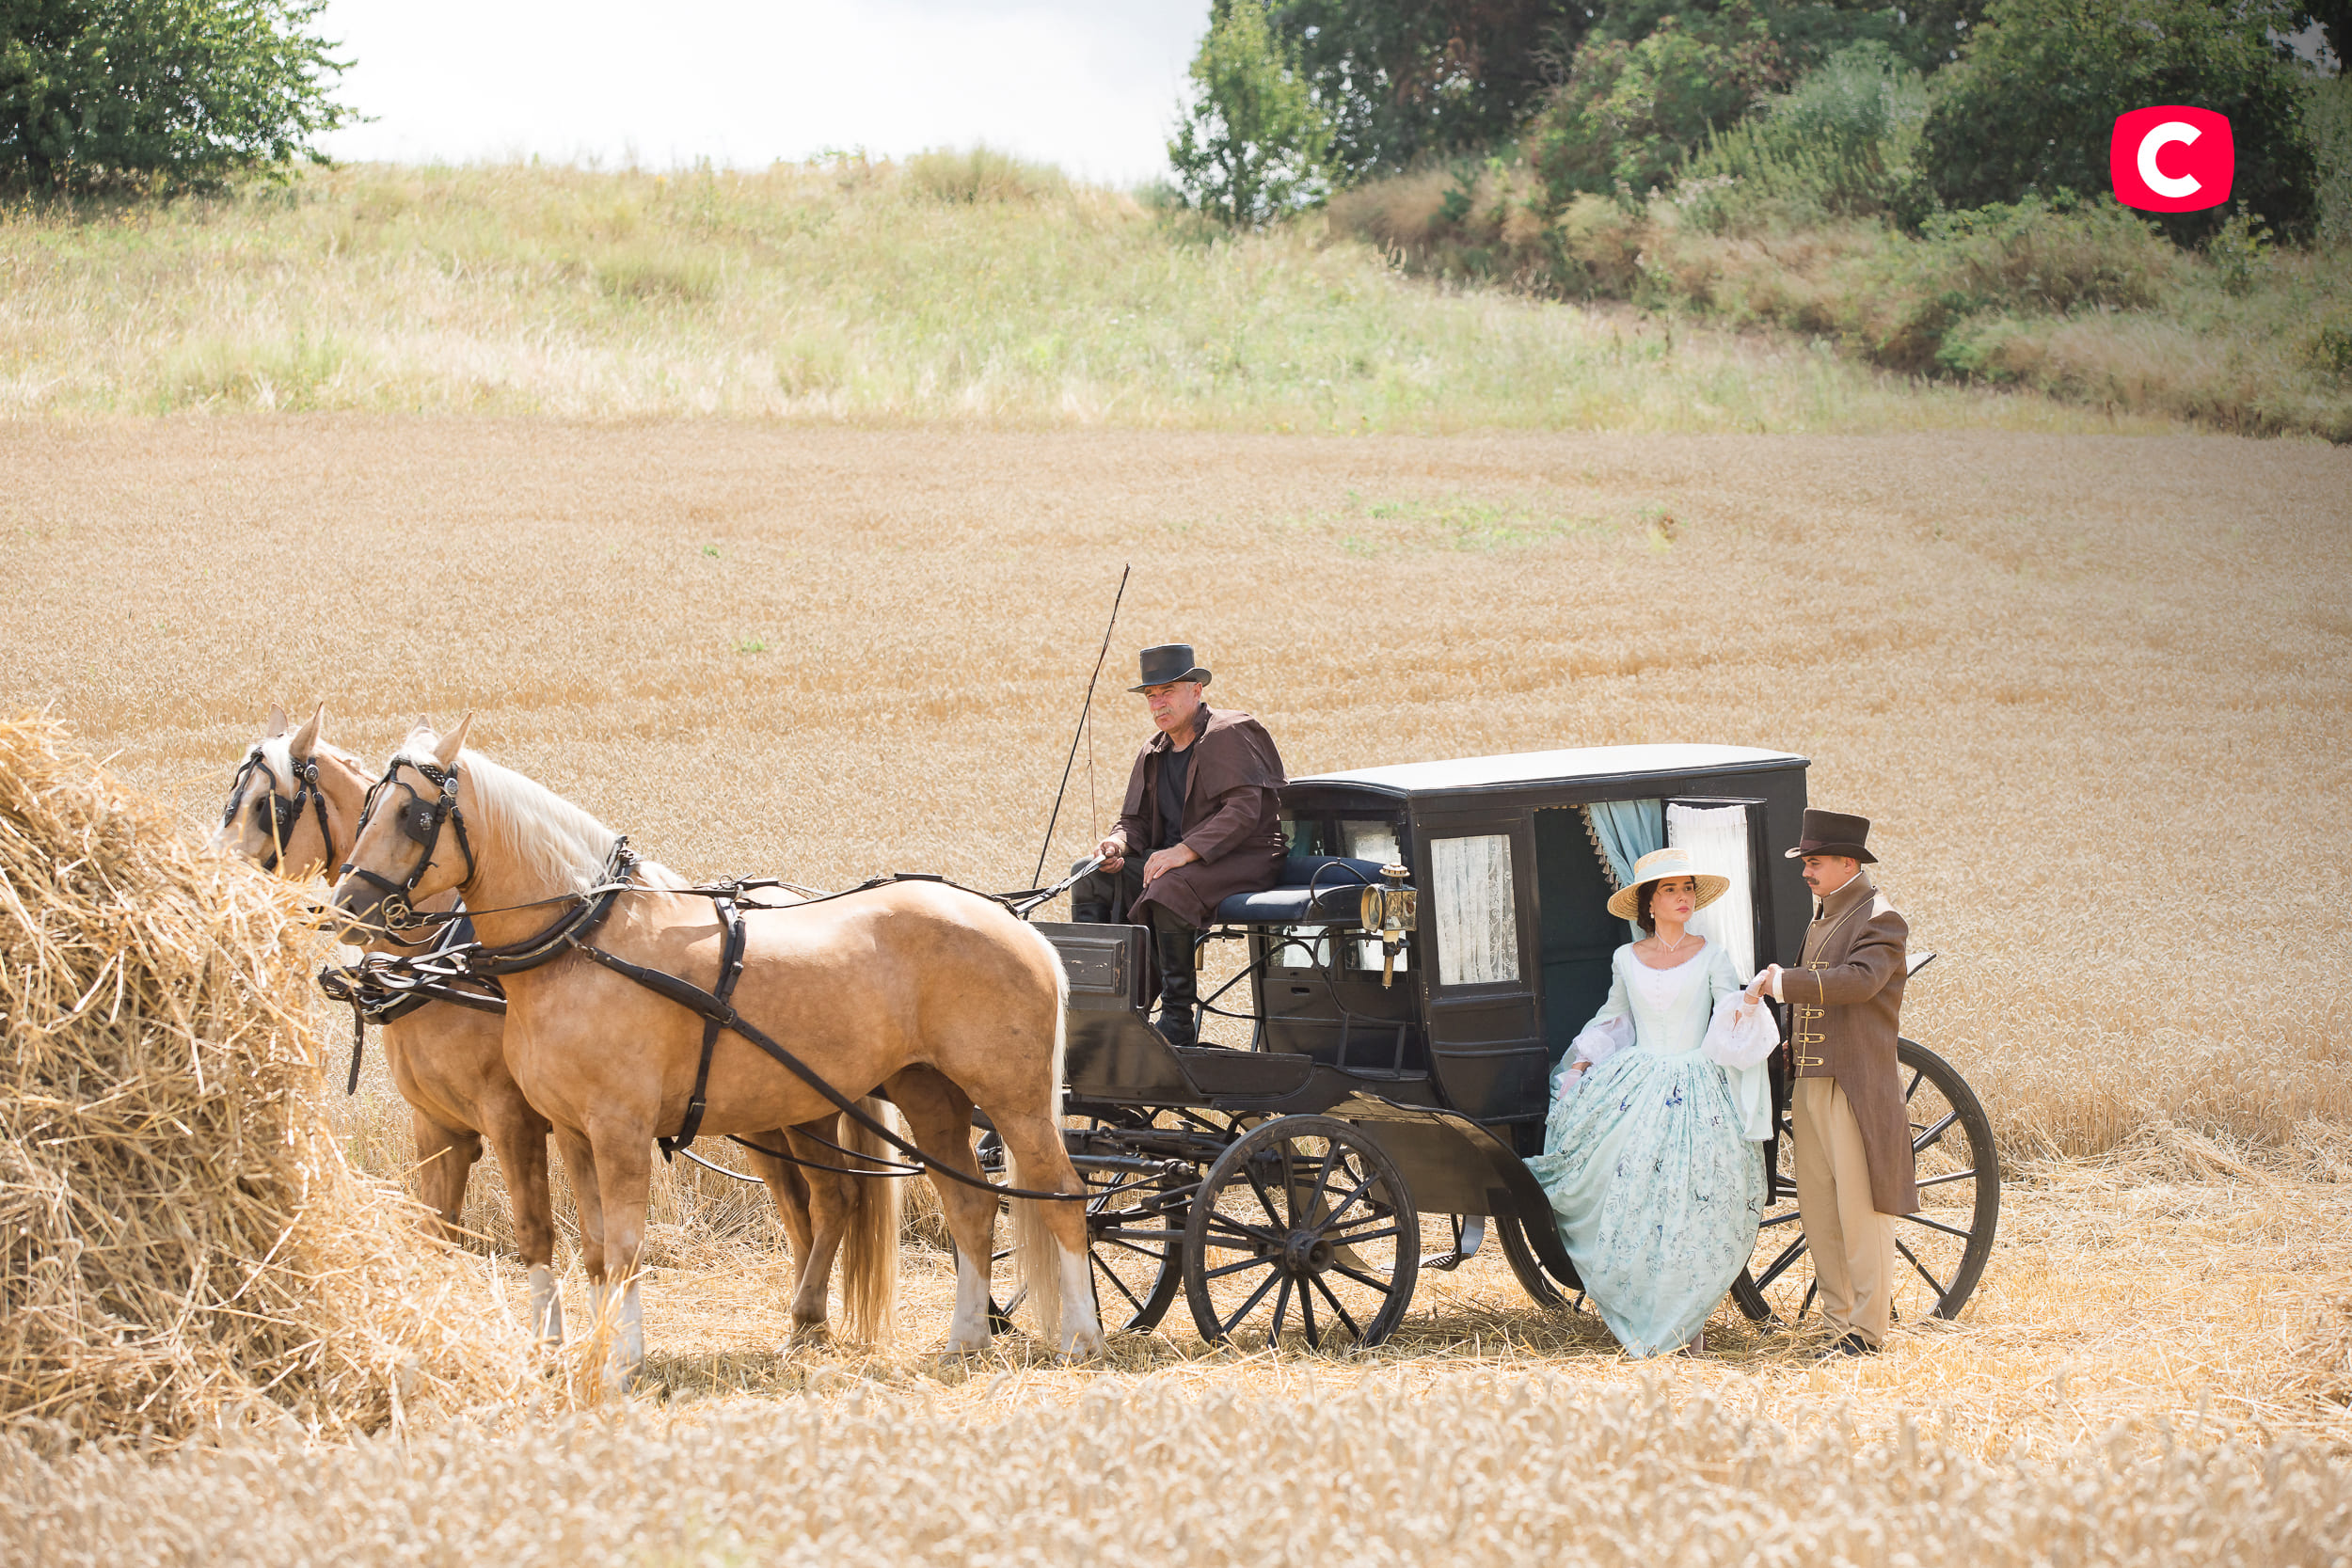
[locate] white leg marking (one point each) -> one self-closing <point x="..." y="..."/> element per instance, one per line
<point x="546" y="1307"/>
<point x="1081" y="1331"/>
<point x="632" y="1336"/>
<point x="968" y="1331"/>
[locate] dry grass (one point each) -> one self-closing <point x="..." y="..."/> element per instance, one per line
<point x="1487" y="1468"/>
<point x="959" y="287"/>
<point x="186" y="1248"/>
<point x="2091" y="691"/>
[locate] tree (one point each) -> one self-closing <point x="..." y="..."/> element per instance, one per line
<point x="1403" y="80"/>
<point x="1630" y="113"/>
<point x="167" y="92"/>
<point x="2030" y="107"/>
<point x="1251" y="145"/>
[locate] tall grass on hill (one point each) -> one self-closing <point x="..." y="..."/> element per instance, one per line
<point x="962" y="287"/>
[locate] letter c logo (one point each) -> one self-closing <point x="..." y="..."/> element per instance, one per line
<point x="2206" y="157"/>
<point x="2156" y="141"/>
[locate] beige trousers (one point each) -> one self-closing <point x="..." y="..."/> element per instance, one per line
<point x="1853" y="1244"/>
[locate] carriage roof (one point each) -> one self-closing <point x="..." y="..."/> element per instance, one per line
<point x="1582" y="767"/>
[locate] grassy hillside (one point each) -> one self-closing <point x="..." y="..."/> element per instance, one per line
<point x="961" y="288"/>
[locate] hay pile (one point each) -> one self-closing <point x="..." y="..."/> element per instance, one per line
<point x="181" y="1242"/>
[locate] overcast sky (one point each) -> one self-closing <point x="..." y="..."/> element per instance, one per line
<point x="1091" y="85"/>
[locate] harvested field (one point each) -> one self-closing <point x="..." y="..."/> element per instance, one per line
<point x="2092" y="689"/>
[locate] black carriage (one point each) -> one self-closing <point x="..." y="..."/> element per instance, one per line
<point x="1403" y="1003"/>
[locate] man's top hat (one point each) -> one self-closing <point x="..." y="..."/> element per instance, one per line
<point x="1169" y="661"/>
<point x="1834" y="832"/>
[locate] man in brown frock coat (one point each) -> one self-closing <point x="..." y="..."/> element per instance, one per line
<point x="1854" y="1170"/>
<point x="1204" y="806"/>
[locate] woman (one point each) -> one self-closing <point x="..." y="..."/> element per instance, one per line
<point x="1649" y="1154"/>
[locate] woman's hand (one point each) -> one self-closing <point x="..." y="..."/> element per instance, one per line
<point x="1761" y="987"/>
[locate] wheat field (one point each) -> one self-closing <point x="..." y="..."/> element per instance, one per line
<point x="2093" y="690"/>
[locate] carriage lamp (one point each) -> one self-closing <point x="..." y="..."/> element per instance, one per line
<point x="1389" y="914"/>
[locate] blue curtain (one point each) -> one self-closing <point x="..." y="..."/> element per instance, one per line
<point x="1624" y="831"/>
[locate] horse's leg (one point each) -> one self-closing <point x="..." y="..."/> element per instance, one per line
<point x="831" y="1204"/>
<point x="1050" y="1238"/>
<point x="938" y="1116"/>
<point x="579" y="1164"/>
<point x="444" y="1156"/>
<point x="623" y="1151"/>
<point x="789" y="1188"/>
<point x="519" y="1134"/>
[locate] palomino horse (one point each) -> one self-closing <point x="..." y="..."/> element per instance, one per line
<point x="934" y="996"/>
<point x="296" y="801"/>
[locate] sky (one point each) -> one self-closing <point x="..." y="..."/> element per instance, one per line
<point x="1090" y="85"/>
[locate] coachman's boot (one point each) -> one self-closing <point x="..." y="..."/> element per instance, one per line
<point x="1172" y="945"/>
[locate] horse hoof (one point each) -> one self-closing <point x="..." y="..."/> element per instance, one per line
<point x="958" y="1352"/>
<point x="805" y="1335"/>
<point x="1084" y="1347"/>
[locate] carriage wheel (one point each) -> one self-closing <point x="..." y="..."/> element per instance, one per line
<point x="1135" y="1245"/>
<point x="1135" y="1239"/>
<point x="1940" y="1251"/>
<point x="1535" y="1279"/>
<point x="1304" y="1226"/>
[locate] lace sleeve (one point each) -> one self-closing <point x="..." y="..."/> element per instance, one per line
<point x="1741" y="1033"/>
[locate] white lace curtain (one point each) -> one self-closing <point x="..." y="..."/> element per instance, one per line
<point x="1717" y="838"/>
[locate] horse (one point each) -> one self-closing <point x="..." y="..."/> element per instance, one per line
<point x="935" y="997"/>
<point x="296" y="797"/>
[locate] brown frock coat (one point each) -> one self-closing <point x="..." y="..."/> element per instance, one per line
<point x="1232" y="819"/>
<point x="1845" y="1008"/>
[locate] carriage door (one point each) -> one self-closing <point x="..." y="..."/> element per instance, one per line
<point x="1726" y="837"/>
<point x="1486" y="1039"/>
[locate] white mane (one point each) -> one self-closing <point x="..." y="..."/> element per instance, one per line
<point x="554" y="843"/>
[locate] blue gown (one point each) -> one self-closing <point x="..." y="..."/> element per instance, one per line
<point x="1651" y="1164"/>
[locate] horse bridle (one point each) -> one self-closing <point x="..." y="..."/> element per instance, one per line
<point x="421" y="823"/>
<point x="285" y="810"/>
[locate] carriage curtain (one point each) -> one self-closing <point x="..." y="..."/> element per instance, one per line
<point x="1624" y="832"/>
<point x="1717" y="838"/>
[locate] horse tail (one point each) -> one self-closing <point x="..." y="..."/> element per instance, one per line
<point x="869" y="1253"/>
<point x="1036" y="1253"/>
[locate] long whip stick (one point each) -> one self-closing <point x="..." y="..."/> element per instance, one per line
<point x="1045" y="848"/>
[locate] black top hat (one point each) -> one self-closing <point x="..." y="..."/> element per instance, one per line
<point x="1169" y="661"/>
<point x="1834" y="832"/>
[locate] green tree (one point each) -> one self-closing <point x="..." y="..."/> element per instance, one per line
<point x="1403" y="80"/>
<point x="160" y="92"/>
<point x="1631" y="112"/>
<point x="1251" y="143"/>
<point x="2030" y="107"/>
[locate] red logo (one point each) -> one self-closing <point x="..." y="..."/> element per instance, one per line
<point x="2171" y="158"/>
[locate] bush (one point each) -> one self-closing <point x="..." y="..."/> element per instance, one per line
<point x="2030" y="107"/>
<point x="1843" y="143"/>
<point x="1251" y="145"/>
<point x="2327" y="119"/>
<point x="171" y="93"/>
<point x="1630" y="113"/>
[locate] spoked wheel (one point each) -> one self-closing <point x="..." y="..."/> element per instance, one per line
<point x="1941" y="1250"/>
<point x="1135" y="1236"/>
<point x="1302" y="1226"/>
<point x="1533" y="1277"/>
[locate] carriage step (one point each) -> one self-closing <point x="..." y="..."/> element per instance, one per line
<point x="1465" y="1247"/>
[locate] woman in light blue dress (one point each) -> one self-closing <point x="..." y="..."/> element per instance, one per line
<point x="1650" y="1154"/>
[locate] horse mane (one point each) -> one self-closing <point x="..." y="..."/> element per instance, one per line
<point x="553" y="841"/>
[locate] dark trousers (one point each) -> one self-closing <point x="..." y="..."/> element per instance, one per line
<point x="1105" y="898"/>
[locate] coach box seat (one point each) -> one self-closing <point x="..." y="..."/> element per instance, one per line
<point x="1315" y="890"/>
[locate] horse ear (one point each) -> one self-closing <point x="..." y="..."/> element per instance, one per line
<point x="445" y="751"/>
<point x="275" y="725"/>
<point x="306" y="740"/>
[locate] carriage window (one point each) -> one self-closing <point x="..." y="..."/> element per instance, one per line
<point x="1717" y="837"/>
<point x="1371" y="841"/>
<point x="1477" y="918"/>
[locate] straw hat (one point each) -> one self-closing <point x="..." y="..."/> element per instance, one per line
<point x="1658" y="866"/>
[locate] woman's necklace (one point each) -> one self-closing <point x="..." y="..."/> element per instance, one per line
<point x="1663" y="947"/>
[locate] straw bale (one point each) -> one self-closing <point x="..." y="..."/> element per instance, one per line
<point x="182" y="1244"/>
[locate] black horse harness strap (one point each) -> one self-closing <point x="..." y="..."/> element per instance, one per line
<point x="730" y="970"/>
<point x="703" y="1004"/>
<point x="386" y="988"/>
<point x="285" y="810"/>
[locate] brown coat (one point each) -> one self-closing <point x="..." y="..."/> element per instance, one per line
<point x="1232" y="805"/>
<point x="1845" y="1011"/>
